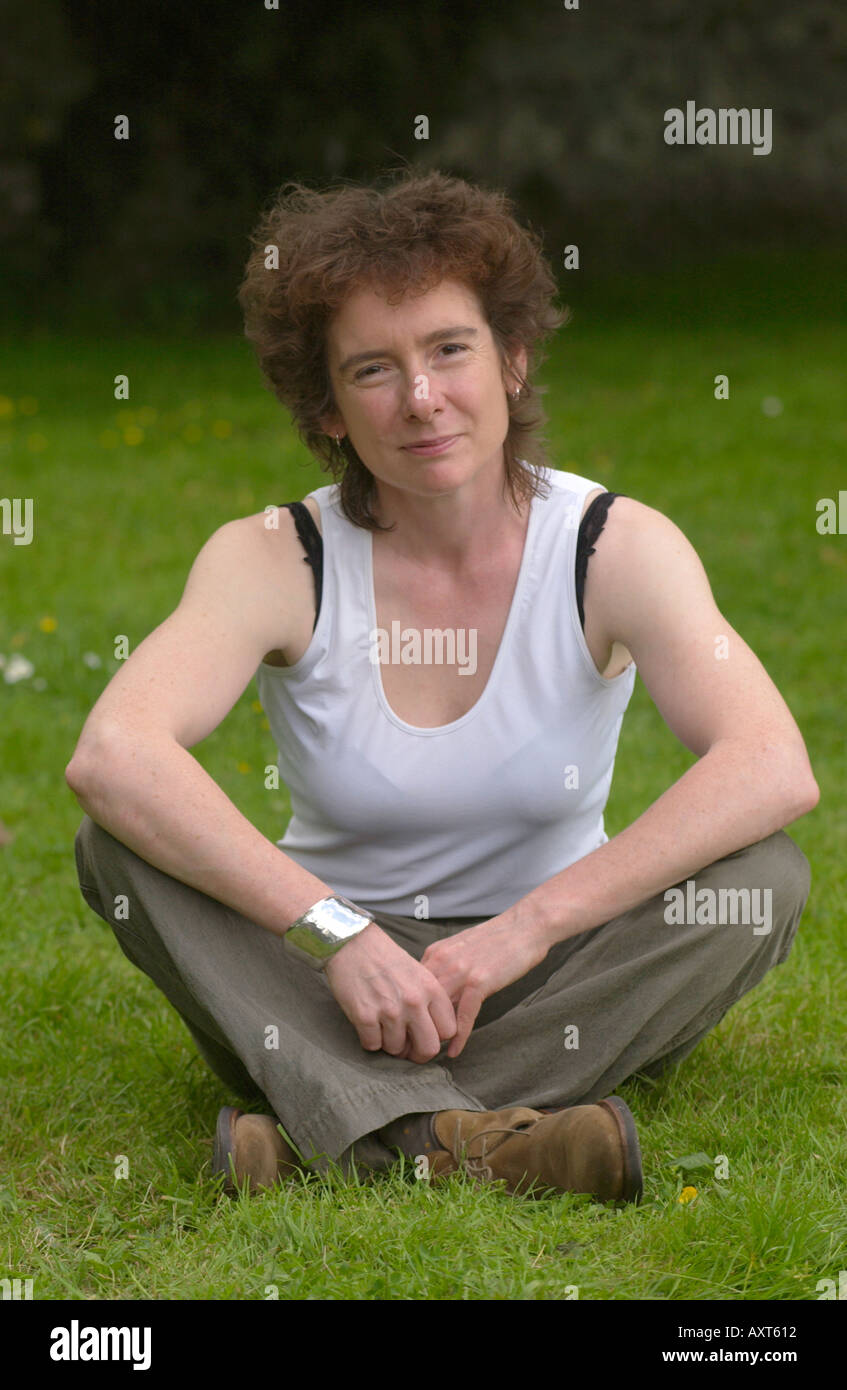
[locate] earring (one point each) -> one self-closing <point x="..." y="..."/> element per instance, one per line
<point x="338" y="442"/>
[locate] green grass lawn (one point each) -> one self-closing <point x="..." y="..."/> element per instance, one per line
<point x="96" y="1064"/>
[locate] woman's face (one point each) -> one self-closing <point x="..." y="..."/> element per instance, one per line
<point x="424" y="372"/>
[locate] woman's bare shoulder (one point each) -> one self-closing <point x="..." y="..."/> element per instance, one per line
<point x="271" y="546"/>
<point x="271" y="535"/>
<point x="630" y="523"/>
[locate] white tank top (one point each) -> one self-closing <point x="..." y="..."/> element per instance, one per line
<point x="467" y="818"/>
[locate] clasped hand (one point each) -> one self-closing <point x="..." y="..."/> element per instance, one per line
<point x="408" y="1007"/>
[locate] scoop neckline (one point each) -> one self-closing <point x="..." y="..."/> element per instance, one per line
<point x="493" y="674"/>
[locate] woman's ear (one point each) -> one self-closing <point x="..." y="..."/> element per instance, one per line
<point x="333" y="425"/>
<point x="514" y="370"/>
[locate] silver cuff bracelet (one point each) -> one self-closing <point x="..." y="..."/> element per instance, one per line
<point x="324" y="929"/>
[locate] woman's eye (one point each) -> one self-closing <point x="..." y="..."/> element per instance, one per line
<point x="370" y="371"/>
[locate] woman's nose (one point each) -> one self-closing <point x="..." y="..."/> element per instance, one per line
<point x="419" y="394"/>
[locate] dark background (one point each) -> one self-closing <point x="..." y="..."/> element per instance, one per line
<point x="226" y="100"/>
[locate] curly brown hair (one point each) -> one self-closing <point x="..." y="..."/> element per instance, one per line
<point x="420" y="229"/>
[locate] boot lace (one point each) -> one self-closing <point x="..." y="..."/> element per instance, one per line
<point x="475" y="1164"/>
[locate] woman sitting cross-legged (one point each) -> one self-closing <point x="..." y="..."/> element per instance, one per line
<point x="444" y="955"/>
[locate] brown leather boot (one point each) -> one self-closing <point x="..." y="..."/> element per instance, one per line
<point x="256" y="1147"/>
<point x="585" y="1148"/>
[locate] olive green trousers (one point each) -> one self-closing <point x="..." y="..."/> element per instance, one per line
<point x="628" y="996"/>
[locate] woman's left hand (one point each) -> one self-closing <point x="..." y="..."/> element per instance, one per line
<point x="475" y="963"/>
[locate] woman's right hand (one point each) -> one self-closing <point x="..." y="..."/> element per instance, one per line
<point x="394" y="1003"/>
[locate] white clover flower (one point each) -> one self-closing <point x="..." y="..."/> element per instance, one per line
<point x="92" y="660"/>
<point x="17" y="668"/>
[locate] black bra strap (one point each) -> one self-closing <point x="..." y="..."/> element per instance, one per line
<point x="312" y="542"/>
<point x="590" y="528"/>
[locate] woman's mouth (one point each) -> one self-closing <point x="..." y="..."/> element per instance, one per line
<point x="431" y="446"/>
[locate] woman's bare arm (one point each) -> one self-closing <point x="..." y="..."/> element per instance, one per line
<point x="132" y="773"/>
<point x="649" y="591"/>
<point x="131" y="770"/>
<point x="753" y="774"/>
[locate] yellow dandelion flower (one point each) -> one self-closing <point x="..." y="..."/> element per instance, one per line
<point x="688" y="1194"/>
<point x="47" y="624"/>
<point x="257" y="706"/>
<point x="222" y="429"/>
<point x="133" y="435"/>
<point x="265" y="724"/>
<point x="243" y="767"/>
<point x="7" y="408"/>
